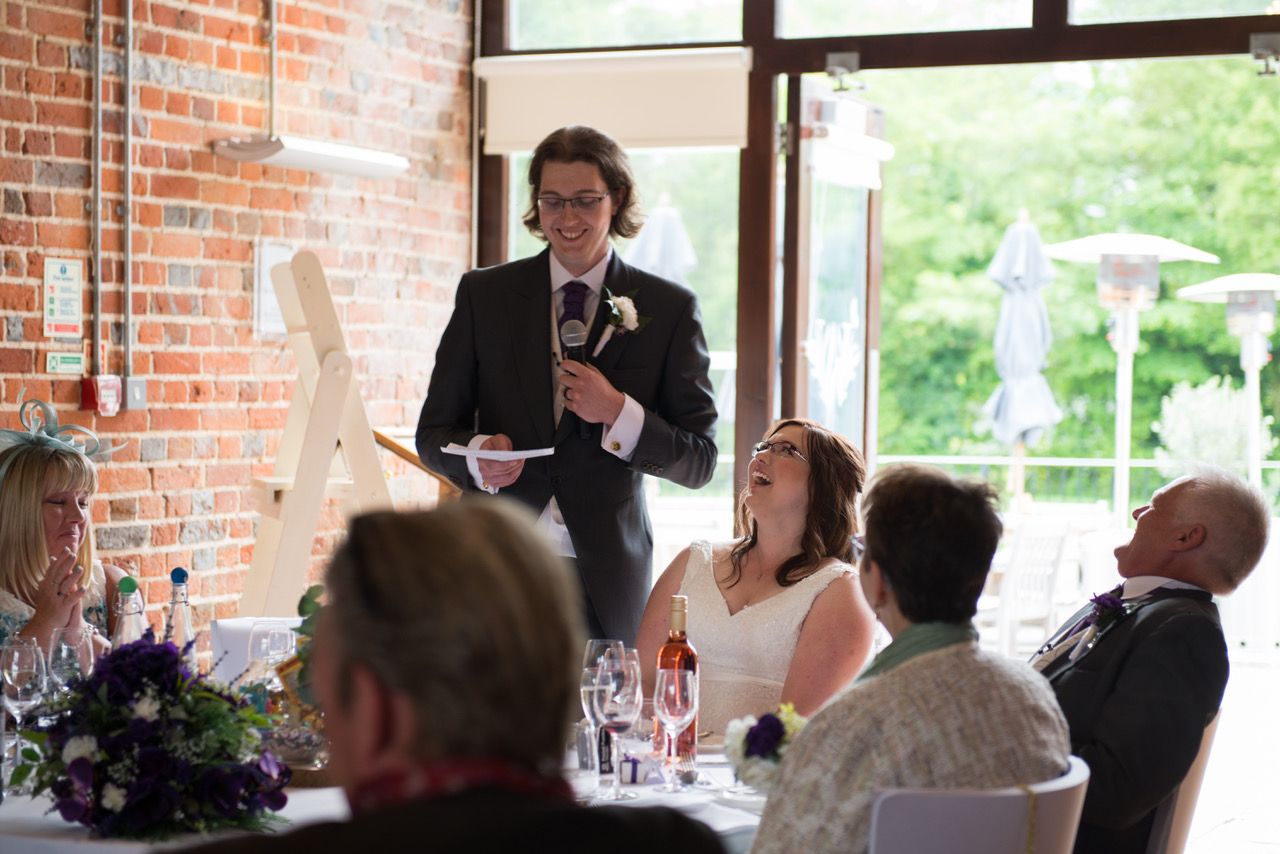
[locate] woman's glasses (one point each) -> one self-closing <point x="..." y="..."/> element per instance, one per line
<point x="780" y="447"/>
<point x="581" y="204"/>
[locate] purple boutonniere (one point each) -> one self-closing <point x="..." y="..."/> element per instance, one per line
<point x="1108" y="609"/>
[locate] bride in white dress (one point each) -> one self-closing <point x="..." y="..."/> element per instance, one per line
<point x="776" y="616"/>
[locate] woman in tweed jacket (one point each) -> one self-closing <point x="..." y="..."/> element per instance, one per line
<point x="932" y="710"/>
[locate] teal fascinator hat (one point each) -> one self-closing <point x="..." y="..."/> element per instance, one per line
<point x="41" y="427"/>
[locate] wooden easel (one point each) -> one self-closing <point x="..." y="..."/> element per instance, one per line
<point x="327" y="450"/>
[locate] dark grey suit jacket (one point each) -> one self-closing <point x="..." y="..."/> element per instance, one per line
<point x="1137" y="705"/>
<point x="493" y="375"/>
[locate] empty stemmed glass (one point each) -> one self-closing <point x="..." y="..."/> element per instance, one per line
<point x="22" y="678"/>
<point x="617" y="699"/>
<point x="675" y="702"/>
<point x="594" y="652"/>
<point x="70" y="656"/>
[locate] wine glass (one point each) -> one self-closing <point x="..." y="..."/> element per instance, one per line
<point x="617" y="699"/>
<point x="675" y="702"/>
<point x="595" y="650"/>
<point x="70" y="656"/>
<point x="22" y="677"/>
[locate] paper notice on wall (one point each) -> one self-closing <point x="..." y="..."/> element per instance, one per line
<point x="63" y="298"/>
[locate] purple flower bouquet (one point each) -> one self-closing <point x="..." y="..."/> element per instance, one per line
<point x="754" y="746"/>
<point x="145" y="749"/>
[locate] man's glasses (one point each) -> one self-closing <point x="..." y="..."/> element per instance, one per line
<point x="780" y="447"/>
<point x="581" y="204"/>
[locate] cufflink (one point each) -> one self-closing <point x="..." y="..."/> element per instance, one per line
<point x="615" y="446"/>
<point x="484" y="484"/>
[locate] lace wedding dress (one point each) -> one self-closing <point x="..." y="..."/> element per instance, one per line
<point x="743" y="658"/>
<point x="14" y="613"/>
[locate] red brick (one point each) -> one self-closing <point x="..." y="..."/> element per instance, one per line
<point x="123" y="479"/>
<point x="150" y="97"/>
<point x="227" y="474"/>
<point x="177" y="363"/>
<point x="177" y="103"/>
<point x="220" y="249"/>
<point x="38" y="82"/>
<point x="183" y="133"/>
<point x="16" y="109"/>
<point x="175" y="187"/>
<point x="45" y="23"/>
<point x="69" y="86"/>
<point x="64" y="236"/>
<point x="15" y="170"/>
<point x="176" y="245"/>
<point x="175" y="419"/>
<point x="38" y="204"/>
<point x="169" y="478"/>
<point x="37" y="142"/>
<point x="177" y="47"/>
<point x="16" y="46"/>
<point x="62" y="115"/>
<point x="224" y="193"/>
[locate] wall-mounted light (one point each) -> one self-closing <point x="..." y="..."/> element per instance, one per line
<point x="292" y="152"/>
<point x="312" y="155"/>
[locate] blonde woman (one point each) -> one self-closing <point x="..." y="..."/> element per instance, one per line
<point x="49" y="579"/>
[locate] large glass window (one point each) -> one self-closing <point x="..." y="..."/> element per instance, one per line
<point x="1117" y="11"/>
<point x="816" y="18"/>
<point x="690" y="200"/>
<point x="540" y="25"/>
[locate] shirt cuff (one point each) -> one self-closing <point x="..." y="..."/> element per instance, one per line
<point x="473" y="465"/>
<point x="621" y="439"/>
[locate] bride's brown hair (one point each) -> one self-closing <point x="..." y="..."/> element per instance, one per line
<point x="836" y="475"/>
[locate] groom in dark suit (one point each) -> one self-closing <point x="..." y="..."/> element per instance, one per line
<point x="634" y="400"/>
<point x="1141" y="671"/>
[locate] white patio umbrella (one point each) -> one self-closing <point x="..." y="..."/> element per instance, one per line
<point x="1251" y="315"/>
<point x="1022" y="406"/>
<point x="663" y="247"/>
<point x="1128" y="282"/>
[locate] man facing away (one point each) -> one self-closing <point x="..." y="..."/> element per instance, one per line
<point x="447" y="663"/>
<point x="1141" y="672"/>
<point x="633" y="400"/>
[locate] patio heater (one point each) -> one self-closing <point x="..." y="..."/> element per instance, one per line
<point x="1128" y="283"/>
<point x="1251" y="315"/>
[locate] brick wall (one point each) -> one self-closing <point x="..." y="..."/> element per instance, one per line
<point x="386" y="74"/>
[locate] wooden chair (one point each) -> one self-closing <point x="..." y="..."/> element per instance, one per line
<point x="1173" y="816"/>
<point x="1038" y="819"/>
<point x="1023" y="611"/>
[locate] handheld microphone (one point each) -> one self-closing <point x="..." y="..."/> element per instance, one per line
<point x="573" y="337"/>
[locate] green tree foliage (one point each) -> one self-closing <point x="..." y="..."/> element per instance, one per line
<point x="1183" y="149"/>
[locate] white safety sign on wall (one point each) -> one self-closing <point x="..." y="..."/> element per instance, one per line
<point x="63" y="298"/>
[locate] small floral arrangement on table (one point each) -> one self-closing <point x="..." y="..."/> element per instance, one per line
<point x="621" y="317"/>
<point x="143" y="748"/>
<point x="755" y="747"/>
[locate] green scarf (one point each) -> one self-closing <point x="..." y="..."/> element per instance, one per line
<point x="918" y="639"/>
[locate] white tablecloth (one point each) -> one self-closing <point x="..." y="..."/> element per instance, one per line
<point x="25" y="828"/>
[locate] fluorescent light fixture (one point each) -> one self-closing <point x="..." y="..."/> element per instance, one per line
<point x="292" y="152"/>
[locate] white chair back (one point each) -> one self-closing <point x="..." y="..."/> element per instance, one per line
<point x="1173" y="816"/>
<point x="1029" y="587"/>
<point x="1040" y="819"/>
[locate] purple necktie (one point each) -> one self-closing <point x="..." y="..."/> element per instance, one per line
<point x="575" y="301"/>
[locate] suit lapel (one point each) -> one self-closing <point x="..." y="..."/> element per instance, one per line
<point x="616" y="283"/>
<point x="1054" y="670"/>
<point x="529" y="335"/>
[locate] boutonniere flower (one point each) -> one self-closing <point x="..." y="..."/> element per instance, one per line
<point x="621" y="318"/>
<point x="1108" y="609"/>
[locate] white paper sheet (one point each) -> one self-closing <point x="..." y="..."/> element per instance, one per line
<point x="499" y="456"/>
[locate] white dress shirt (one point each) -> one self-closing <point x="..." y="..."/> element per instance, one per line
<point x="619" y="440"/>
